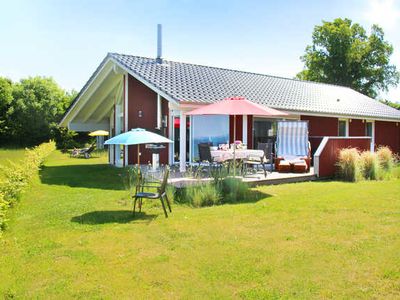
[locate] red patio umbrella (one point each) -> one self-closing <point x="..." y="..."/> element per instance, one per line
<point x="236" y="106"/>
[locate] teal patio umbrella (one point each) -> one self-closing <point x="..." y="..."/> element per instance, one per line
<point x="137" y="136"/>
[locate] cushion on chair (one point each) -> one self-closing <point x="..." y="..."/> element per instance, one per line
<point x="253" y="160"/>
<point x="147" y="195"/>
<point x="294" y="159"/>
<point x="284" y="166"/>
<point x="300" y="167"/>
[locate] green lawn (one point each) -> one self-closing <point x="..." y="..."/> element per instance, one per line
<point x="72" y="236"/>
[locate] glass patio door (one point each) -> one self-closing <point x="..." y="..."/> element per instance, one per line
<point x="176" y="123"/>
<point x="264" y="131"/>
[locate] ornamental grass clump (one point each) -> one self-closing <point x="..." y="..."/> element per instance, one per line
<point x="349" y="164"/>
<point x="370" y="167"/>
<point x="386" y="158"/>
<point x="234" y="190"/>
<point x="205" y="194"/>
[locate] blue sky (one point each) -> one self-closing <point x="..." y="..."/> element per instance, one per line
<point x="68" y="39"/>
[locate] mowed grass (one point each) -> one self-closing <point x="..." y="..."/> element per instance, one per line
<point x="73" y="236"/>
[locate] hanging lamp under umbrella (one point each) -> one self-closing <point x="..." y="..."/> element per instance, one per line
<point x="137" y="136"/>
<point x="234" y="106"/>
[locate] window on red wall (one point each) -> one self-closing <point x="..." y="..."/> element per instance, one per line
<point x="342" y="128"/>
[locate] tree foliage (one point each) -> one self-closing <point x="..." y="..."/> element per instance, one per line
<point x="342" y="53"/>
<point x="395" y="105"/>
<point x="31" y="112"/>
<point x="5" y="101"/>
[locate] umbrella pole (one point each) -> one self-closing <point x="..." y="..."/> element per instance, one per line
<point x="138" y="157"/>
<point x="234" y="146"/>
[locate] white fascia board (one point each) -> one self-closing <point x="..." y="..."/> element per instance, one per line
<point x="145" y="82"/>
<point x="338" y="116"/>
<point x="83" y="93"/>
<point x="95" y="104"/>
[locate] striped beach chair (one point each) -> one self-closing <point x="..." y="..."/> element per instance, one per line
<point x="292" y="147"/>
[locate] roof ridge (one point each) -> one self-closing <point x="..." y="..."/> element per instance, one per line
<point x="235" y="70"/>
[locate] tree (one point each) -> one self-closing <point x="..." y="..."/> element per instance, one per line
<point x="5" y="101"/>
<point x="395" y="105"/>
<point x="342" y="53"/>
<point x="37" y="105"/>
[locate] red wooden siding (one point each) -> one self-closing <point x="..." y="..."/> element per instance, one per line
<point x="330" y="153"/>
<point x="321" y="126"/>
<point x="141" y="98"/>
<point x="239" y="128"/>
<point x="388" y="134"/>
<point x="356" y="128"/>
<point x="250" y="132"/>
<point x="318" y="127"/>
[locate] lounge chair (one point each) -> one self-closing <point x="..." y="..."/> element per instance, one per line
<point x="159" y="194"/>
<point x="293" y="152"/>
<point x="85" y="152"/>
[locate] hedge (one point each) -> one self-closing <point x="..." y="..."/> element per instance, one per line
<point x="17" y="176"/>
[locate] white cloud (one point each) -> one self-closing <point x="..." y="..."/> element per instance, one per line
<point x="384" y="13"/>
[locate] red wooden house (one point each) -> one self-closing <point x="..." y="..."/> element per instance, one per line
<point x="129" y="91"/>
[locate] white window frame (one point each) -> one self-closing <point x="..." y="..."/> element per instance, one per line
<point x="347" y="127"/>
<point x="373" y="133"/>
<point x="172" y="114"/>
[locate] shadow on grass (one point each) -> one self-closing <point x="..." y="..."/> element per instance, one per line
<point x="111" y="216"/>
<point x="100" y="176"/>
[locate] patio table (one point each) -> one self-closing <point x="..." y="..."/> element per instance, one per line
<point x="223" y="155"/>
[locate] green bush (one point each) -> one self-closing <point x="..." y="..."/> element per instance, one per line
<point x="17" y="176"/>
<point x="386" y="158"/>
<point x="349" y="164"/>
<point x="370" y="165"/>
<point x="3" y="209"/>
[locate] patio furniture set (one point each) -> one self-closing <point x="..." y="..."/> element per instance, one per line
<point x="293" y="154"/>
<point x="292" y="147"/>
<point x="248" y="158"/>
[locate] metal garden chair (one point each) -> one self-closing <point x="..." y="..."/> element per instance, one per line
<point x="159" y="194"/>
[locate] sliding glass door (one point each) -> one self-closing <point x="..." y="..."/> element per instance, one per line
<point x="264" y="131"/>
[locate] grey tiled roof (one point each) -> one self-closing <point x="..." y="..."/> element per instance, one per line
<point x="196" y="83"/>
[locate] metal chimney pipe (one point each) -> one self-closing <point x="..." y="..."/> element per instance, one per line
<point x="159" y="44"/>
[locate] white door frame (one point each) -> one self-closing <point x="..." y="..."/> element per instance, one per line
<point x="373" y="133"/>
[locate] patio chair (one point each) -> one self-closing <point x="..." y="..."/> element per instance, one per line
<point x="268" y="153"/>
<point x="256" y="162"/>
<point x="159" y="194"/>
<point x="205" y="158"/>
<point x="293" y="150"/>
